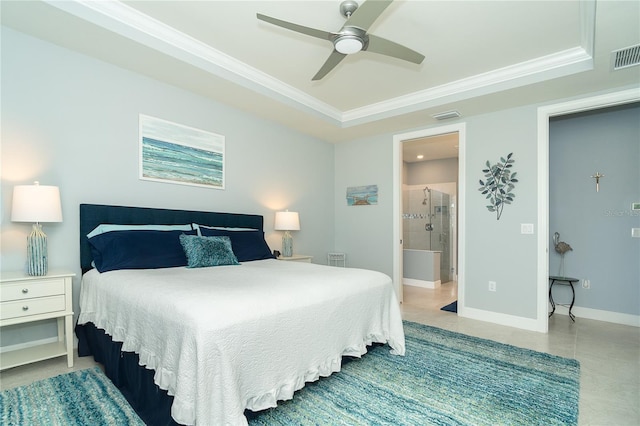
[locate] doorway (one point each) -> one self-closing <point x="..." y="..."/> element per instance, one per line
<point x="406" y="147"/>
<point x="544" y="115"/>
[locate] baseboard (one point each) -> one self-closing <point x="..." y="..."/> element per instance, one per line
<point x="421" y="283"/>
<point x="600" y="315"/>
<point x="532" y="324"/>
<point x="501" y="319"/>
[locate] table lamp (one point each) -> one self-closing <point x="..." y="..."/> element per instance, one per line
<point x="36" y="203"/>
<point x="287" y="221"/>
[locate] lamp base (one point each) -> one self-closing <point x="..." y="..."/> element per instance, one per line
<point x="287" y="245"/>
<point x="37" y="251"/>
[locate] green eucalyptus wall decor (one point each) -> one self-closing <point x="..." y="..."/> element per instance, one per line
<point x="499" y="184"/>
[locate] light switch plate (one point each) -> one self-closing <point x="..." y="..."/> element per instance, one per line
<point x="526" y="228"/>
<point x="635" y="232"/>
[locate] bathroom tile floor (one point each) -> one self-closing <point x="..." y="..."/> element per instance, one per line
<point x="609" y="354"/>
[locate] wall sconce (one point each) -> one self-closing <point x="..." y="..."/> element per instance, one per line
<point x="36" y="203"/>
<point x="287" y="221"/>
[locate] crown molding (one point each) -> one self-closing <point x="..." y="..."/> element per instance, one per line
<point x="559" y="64"/>
<point x="128" y="22"/>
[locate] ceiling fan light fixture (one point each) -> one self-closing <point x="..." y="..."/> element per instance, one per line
<point x="348" y="44"/>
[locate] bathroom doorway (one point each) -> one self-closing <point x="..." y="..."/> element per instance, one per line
<point x="427" y="207"/>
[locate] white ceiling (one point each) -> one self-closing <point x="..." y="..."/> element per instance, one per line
<point x="481" y="56"/>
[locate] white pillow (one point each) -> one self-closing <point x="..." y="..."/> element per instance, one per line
<point x="108" y="227"/>
<point x="222" y="228"/>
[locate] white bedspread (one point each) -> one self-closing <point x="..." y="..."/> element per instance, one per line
<point x="233" y="337"/>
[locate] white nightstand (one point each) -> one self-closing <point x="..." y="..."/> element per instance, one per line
<point x="297" y="258"/>
<point x="25" y="298"/>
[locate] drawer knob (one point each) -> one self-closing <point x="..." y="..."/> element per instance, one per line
<point x="25" y="308"/>
<point x="25" y="290"/>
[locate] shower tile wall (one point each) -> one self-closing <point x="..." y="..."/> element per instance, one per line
<point x="414" y="220"/>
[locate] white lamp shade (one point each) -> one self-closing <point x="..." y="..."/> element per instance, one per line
<point x="36" y="203"/>
<point x="287" y="221"/>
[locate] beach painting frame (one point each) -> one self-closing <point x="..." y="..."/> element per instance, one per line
<point x="178" y="154"/>
<point x="366" y="195"/>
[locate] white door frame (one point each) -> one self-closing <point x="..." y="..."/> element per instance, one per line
<point x="397" y="202"/>
<point x="544" y="114"/>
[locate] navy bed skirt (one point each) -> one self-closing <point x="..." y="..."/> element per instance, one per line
<point x="152" y="404"/>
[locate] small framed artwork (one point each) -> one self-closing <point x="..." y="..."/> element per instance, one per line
<point x="362" y="195"/>
<point x="635" y="206"/>
<point x="174" y="153"/>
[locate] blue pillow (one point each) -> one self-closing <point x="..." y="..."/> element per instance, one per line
<point x="138" y="250"/>
<point x="207" y="251"/>
<point x="247" y="245"/>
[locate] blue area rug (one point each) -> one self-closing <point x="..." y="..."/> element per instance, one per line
<point x="451" y="307"/>
<point x="80" y="398"/>
<point x="446" y="378"/>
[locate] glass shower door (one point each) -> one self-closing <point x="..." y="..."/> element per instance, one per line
<point x="440" y="234"/>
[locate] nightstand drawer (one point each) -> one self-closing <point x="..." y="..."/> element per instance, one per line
<point x="24" y="308"/>
<point x="31" y="289"/>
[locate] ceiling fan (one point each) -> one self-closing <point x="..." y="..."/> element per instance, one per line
<point x="353" y="36"/>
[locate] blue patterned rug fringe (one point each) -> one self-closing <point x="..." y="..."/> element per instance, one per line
<point x="80" y="398"/>
<point x="446" y="378"/>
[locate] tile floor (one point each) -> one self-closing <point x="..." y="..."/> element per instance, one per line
<point x="609" y="354"/>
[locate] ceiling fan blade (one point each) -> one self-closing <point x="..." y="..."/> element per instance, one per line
<point x="325" y="35"/>
<point x="334" y="59"/>
<point x="367" y="13"/>
<point x="389" y="48"/>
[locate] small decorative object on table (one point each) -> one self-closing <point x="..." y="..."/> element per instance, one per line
<point x="561" y="247"/>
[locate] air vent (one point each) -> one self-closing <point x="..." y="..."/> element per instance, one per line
<point x="625" y="58"/>
<point x="446" y="115"/>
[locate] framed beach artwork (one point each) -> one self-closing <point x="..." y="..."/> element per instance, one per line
<point x="362" y="195"/>
<point x="173" y="153"/>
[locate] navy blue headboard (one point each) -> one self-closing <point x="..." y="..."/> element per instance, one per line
<point x="92" y="215"/>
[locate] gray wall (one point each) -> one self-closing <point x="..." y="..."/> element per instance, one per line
<point x="72" y="121"/>
<point x="365" y="233"/>
<point x="597" y="225"/>
<point x="495" y="250"/>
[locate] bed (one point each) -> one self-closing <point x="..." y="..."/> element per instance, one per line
<point x="207" y="345"/>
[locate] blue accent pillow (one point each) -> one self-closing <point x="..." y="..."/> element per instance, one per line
<point x="147" y="249"/>
<point x="207" y="251"/>
<point x="247" y="245"/>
